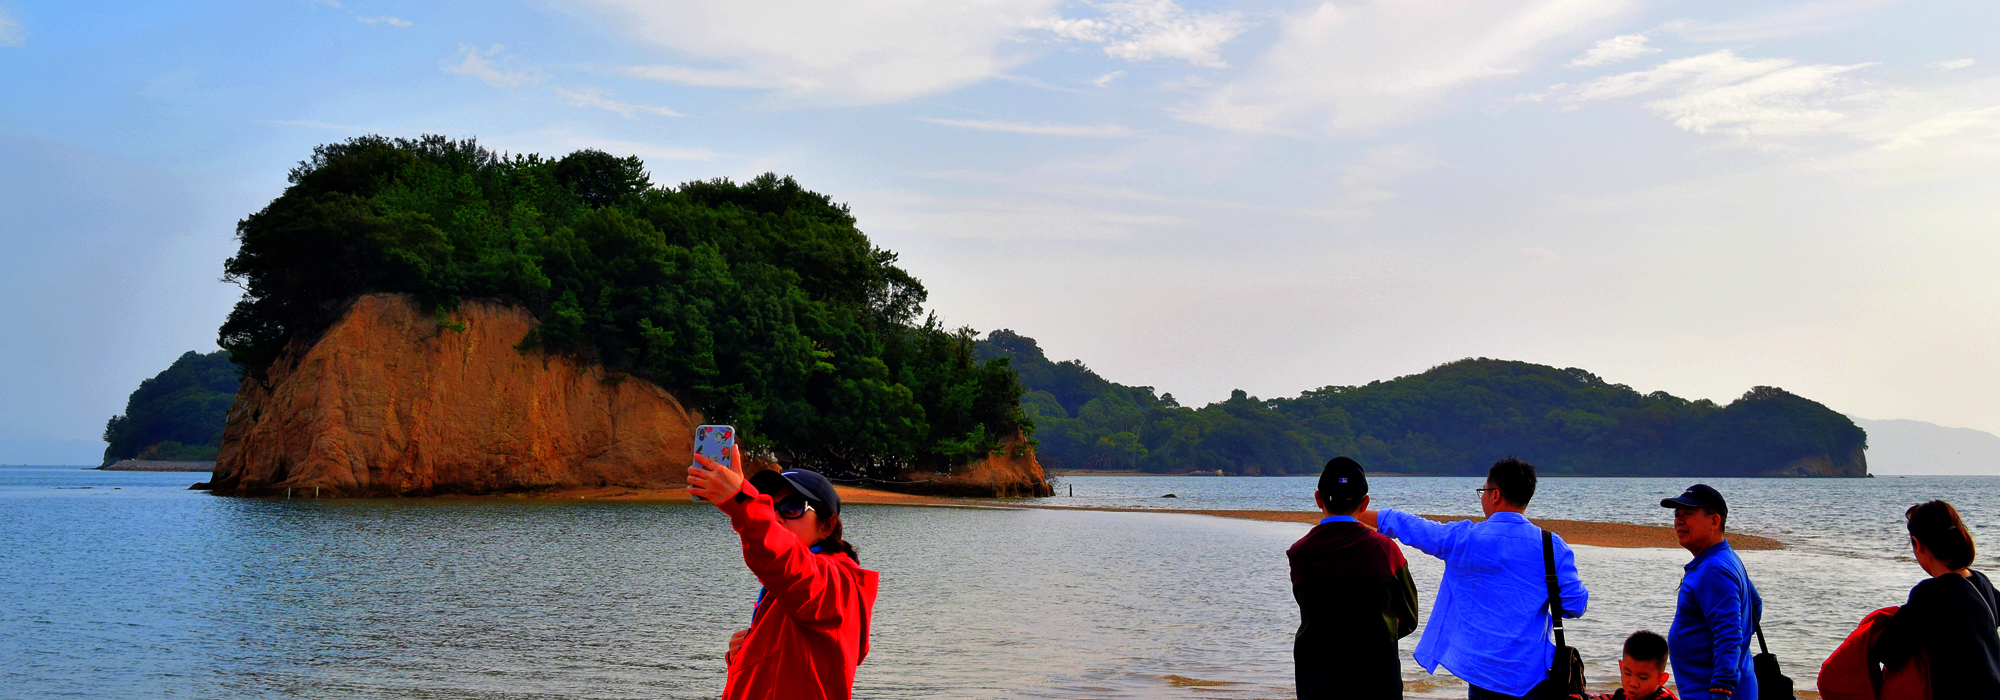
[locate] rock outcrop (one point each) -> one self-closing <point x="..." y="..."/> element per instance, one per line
<point x="391" y="400"/>
<point x="1855" y="465"/>
<point x="1013" y="472"/>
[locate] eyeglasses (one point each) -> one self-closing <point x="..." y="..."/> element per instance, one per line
<point x="1482" y="492"/>
<point x="793" y="508"/>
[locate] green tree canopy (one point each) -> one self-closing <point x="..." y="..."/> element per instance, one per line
<point x="760" y="303"/>
<point x="1456" y="418"/>
<point x="178" y="414"/>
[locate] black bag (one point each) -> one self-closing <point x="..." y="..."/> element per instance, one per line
<point x="1771" y="683"/>
<point x="1566" y="674"/>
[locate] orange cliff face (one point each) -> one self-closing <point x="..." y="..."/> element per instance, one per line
<point x="391" y="402"/>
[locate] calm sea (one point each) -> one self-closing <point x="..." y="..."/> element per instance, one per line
<point x="123" y="584"/>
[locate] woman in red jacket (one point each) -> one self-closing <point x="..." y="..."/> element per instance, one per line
<point x="809" y="629"/>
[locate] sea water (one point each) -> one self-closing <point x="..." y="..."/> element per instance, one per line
<point x="126" y="585"/>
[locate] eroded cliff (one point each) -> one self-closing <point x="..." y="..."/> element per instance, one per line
<point x="394" y="401"/>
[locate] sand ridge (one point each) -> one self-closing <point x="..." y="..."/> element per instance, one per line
<point x="1580" y="532"/>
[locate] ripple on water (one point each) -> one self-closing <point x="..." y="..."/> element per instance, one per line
<point x="149" y="590"/>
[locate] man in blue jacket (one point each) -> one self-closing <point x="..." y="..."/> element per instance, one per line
<point x="1719" y="608"/>
<point x="1490" y="624"/>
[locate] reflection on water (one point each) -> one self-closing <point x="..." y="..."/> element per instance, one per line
<point x="149" y="590"/>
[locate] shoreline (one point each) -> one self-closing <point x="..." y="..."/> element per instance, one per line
<point x="158" y="465"/>
<point x="1373" y="475"/>
<point x="1576" y="532"/>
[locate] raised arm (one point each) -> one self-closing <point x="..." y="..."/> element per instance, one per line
<point x="794" y="577"/>
<point x="1428" y="536"/>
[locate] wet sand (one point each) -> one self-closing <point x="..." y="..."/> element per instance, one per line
<point x="679" y="494"/>
<point x="1596" y="534"/>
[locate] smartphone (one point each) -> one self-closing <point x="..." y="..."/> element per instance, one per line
<point x="713" y="442"/>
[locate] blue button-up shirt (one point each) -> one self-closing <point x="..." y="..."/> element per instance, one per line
<point x="1710" y="640"/>
<point x="1490" y="624"/>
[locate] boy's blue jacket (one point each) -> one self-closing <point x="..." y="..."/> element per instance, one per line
<point x="1709" y="644"/>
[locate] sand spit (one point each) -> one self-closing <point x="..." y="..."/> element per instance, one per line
<point x="1596" y="534"/>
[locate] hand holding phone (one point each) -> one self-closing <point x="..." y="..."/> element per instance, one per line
<point x="716" y="462"/>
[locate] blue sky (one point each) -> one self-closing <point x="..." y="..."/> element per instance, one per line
<point x="1695" y="197"/>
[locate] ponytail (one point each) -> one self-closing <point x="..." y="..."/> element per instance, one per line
<point x="833" y="544"/>
<point x="1937" y="526"/>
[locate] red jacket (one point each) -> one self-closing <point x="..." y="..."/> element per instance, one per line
<point x="811" y="629"/>
<point x="1849" y="675"/>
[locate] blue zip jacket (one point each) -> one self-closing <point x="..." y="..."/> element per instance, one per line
<point x="1710" y="639"/>
<point x="1490" y="624"/>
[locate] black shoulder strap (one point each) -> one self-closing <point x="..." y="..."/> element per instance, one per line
<point x="1555" y="597"/>
<point x="1757" y="624"/>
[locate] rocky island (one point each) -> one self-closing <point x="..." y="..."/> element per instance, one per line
<point x="424" y="317"/>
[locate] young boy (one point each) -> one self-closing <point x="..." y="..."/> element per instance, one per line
<point x="1643" y="671"/>
<point x="1355" y="597"/>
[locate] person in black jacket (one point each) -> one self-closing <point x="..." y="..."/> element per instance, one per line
<point x="1950" y="616"/>
<point x="1355" y="597"/>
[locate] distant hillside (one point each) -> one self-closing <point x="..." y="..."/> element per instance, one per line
<point x="177" y="415"/>
<point x="1456" y="418"/>
<point x="1916" y="447"/>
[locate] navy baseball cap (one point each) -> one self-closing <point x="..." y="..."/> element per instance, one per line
<point x="811" y="485"/>
<point x="1698" y="496"/>
<point x="1343" y="478"/>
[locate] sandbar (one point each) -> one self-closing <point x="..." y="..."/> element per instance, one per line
<point x="1581" y="532"/>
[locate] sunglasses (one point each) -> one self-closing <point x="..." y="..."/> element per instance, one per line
<point x="793" y="508"/>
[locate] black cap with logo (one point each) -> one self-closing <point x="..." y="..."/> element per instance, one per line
<point x="1699" y="496"/>
<point x="1342" y="479"/>
<point x="809" y="484"/>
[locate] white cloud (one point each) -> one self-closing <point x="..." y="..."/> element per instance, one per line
<point x="716" y="78"/>
<point x="1105" y="80"/>
<point x="335" y="4"/>
<point x="391" y="21"/>
<point x="1037" y="129"/>
<point x="1819" y="17"/>
<point x="11" y="31"/>
<point x="837" y="52"/>
<point x="594" y="98"/>
<point x="1341" y="68"/>
<point x="474" y="65"/>
<point x="1139" y="30"/>
<point x="1770" y="102"/>
<point x="1616" y="49"/>
<point x="1003" y="218"/>
<point x="1947" y="124"/>
<point x="1954" y="64"/>
<point x="1753" y="99"/>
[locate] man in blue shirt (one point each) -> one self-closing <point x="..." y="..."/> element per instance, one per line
<point x="1718" y="609"/>
<point x="1490" y="624"/>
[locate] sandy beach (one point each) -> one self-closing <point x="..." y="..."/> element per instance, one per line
<point x="1596" y="534"/>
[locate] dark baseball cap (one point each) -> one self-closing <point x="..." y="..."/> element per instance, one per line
<point x="811" y="485"/>
<point x="1698" y="496"/>
<point x="1343" y="478"/>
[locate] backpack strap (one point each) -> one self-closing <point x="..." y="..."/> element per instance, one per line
<point x="1555" y="597"/>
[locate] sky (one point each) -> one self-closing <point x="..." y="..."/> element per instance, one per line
<point x="1695" y="197"/>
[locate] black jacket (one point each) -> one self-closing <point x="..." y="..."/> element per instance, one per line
<point x="1356" y="599"/>
<point x="1952" y="618"/>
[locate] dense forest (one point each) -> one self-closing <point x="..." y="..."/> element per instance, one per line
<point x="757" y="303"/>
<point x="178" y="414"/>
<point x="1456" y="418"/>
